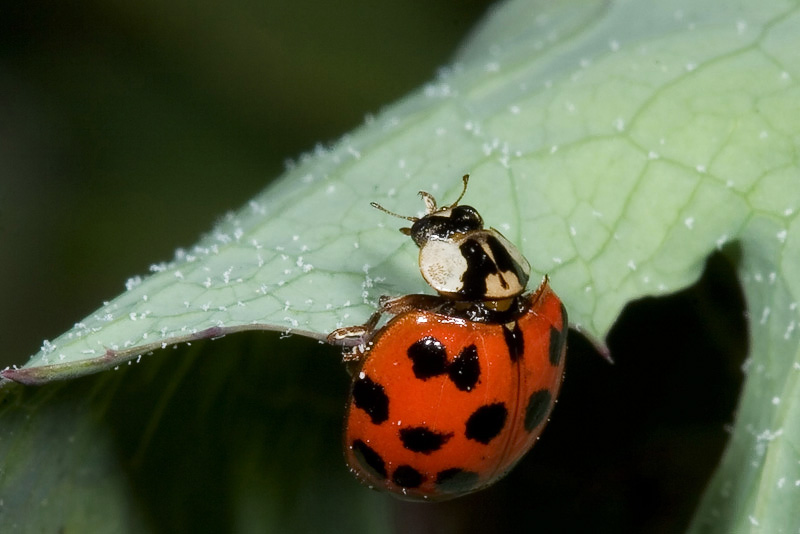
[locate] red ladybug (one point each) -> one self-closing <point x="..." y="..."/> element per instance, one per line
<point x="450" y="394"/>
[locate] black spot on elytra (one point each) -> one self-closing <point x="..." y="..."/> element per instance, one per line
<point x="456" y="480"/>
<point x="428" y="357"/>
<point x="514" y="341"/>
<point x="370" y="397"/>
<point x="558" y="338"/>
<point x="422" y="439"/>
<point x="407" y="477"/>
<point x="486" y="422"/>
<point x="538" y="405"/>
<point x="369" y="459"/>
<point x="465" y="369"/>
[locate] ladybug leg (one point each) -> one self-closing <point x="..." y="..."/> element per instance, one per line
<point x="407" y="303"/>
<point x="355" y="340"/>
<point x="360" y="334"/>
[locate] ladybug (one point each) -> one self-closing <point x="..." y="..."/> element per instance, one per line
<point x="456" y="387"/>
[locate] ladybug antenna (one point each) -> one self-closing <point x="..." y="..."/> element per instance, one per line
<point x="430" y="204"/>
<point x="463" y="191"/>
<point x="393" y="214"/>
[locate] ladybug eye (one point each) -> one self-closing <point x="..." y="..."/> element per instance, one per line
<point x="466" y="217"/>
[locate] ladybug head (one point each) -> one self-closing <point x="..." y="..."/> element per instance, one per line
<point x="440" y="223"/>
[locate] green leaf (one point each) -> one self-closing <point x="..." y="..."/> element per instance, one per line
<point x="617" y="143"/>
